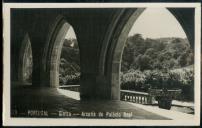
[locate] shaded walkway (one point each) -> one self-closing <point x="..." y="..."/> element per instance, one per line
<point x="43" y="102"/>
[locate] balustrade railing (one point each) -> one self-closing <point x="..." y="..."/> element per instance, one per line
<point x="126" y="95"/>
<point x="136" y="97"/>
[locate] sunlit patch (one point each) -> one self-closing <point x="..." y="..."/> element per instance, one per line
<point x="70" y="94"/>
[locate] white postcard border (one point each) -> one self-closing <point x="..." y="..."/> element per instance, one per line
<point x="8" y="121"/>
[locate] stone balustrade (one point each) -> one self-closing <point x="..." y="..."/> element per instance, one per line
<point x="126" y="95"/>
<point x="136" y="97"/>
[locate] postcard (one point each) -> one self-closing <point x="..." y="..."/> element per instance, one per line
<point x="101" y="64"/>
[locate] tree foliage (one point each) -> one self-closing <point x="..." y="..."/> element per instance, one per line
<point x="158" y="63"/>
<point x="69" y="69"/>
<point x="152" y="54"/>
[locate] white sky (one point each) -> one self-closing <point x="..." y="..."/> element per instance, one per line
<point x="152" y="23"/>
<point x="70" y="34"/>
<point x="157" y="23"/>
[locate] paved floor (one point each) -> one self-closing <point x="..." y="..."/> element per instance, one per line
<point x="175" y="115"/>
<point x="27" y="101"/>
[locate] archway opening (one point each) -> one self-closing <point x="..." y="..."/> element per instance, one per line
<point x="63" y="62"/>
<point x="25" y="61"/>
<point x="156" y="55"/>
<point x="69" y="68"/>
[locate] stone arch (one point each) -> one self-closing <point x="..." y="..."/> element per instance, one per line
<point x="111" y="65"/>
<point x="25" y="51"/>
<point x="118" y="45"/>
<point x="53" y="50"/>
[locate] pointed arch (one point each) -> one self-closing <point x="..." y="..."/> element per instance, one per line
<point x="25" y="60"/>
<point x="113" y="48"/>
<point x="53" y="50"/>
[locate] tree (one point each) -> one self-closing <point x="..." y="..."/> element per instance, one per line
<point x="143" y="62"/>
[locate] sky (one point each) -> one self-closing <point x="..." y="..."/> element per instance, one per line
<point x="70" y="34"/>
<point x="152" y="23"/>
<point x="157" y="23"/>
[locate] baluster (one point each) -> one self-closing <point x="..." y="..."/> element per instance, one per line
<point x="145" y="99"/>
<point x="128" y="97"/>
<point x="131" y="98"/>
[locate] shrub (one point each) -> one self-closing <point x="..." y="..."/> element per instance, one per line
<point x="70" y="79"/>
<point x="173" y="79"/>
<point x="133" y="80"/>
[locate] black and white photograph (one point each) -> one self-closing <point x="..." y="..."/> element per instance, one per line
<point x="102" y="64"/>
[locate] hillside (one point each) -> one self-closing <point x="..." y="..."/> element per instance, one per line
<point x="157" y="63"/>
<point x="150" y="54"/>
